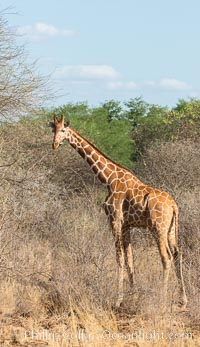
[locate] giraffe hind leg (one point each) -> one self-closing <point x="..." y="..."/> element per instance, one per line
<point x="177" y="258"/>
<point x="166" y="258"/>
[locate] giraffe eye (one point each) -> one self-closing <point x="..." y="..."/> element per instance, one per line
<point x="63" y="130"/>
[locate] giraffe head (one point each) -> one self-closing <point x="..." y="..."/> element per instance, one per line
<point x="60" y="130"/>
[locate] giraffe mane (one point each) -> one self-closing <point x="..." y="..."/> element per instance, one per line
<point x="101" y="153"/>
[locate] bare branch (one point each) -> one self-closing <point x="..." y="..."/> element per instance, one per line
<point x="22" y="88"/>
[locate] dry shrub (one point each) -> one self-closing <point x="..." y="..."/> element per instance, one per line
<point x="57" y="265"/>
<point x="53" y="229"/>
<point x="172" y="166"/>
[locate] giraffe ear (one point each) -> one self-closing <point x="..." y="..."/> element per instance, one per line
<point x="55" y="119"/>
<point x="66" y="124"/>
<point x="62" y="119"/>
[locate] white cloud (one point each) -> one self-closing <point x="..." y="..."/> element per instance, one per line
<point x="149" y="83"/>
<point x="111" y="79"/>
<point x="173" y="84"/>
<point x="115" y="85"/>
<point x="87" y="72"/>
<point x="41" y="31"/>
<point x="165" y="84"/>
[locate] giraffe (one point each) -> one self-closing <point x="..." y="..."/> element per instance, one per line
<point x="130" y="203"/>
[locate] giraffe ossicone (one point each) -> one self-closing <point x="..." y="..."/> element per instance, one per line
<point x="130" y="203"/>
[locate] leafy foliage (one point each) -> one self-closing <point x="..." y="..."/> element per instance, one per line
<point x="125" y="130"/>
<point x="161" y="124"/>
<point x="114" y="110"/>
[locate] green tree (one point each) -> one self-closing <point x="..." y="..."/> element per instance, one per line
<point x="73" y="109"/>
<point x="161" y="124"/>
<point x="114" y="110"/>
<point x="111" y="137"/>
<point x="136" y="109"/>
<point x="157" y="112"/>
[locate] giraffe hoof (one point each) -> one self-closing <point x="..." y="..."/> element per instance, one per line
<point x="119" y="304"/>
<point x="182" y="305"/>
<point x="183" y="302"/>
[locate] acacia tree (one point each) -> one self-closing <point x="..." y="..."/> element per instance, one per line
<point x="114" y="110"/>
<point x="22" y="89"/>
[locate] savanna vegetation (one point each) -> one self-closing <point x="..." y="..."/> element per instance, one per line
<point x="58" y="280"/>
<point x="58" y="268"/>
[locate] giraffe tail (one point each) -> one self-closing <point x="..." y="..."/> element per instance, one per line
<point x="175" y="214"/>
<point x="173" y="233"/>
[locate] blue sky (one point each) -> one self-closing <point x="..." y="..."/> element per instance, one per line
<point x="98" y="50"/>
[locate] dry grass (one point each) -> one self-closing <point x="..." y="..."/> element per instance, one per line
<point x="58" y="280"/>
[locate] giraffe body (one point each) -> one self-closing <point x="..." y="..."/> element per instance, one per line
<point x="130" y="203"/>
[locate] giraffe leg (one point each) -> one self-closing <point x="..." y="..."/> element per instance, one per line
<point x="166" y="258"/>
<point x="128" y="255"/>
<point x="179" y="273"/>
<point x="177" y="257"/>
<point x="120" y="259"/>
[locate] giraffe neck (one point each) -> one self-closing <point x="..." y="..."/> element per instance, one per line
<point x="100" y="165"/>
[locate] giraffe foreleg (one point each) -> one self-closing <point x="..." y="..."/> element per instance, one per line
<point x="120" y="259"/>
<point x="128" y="255"/>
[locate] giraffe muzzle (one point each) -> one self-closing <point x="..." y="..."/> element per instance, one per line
<point x="55" y="145"/>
